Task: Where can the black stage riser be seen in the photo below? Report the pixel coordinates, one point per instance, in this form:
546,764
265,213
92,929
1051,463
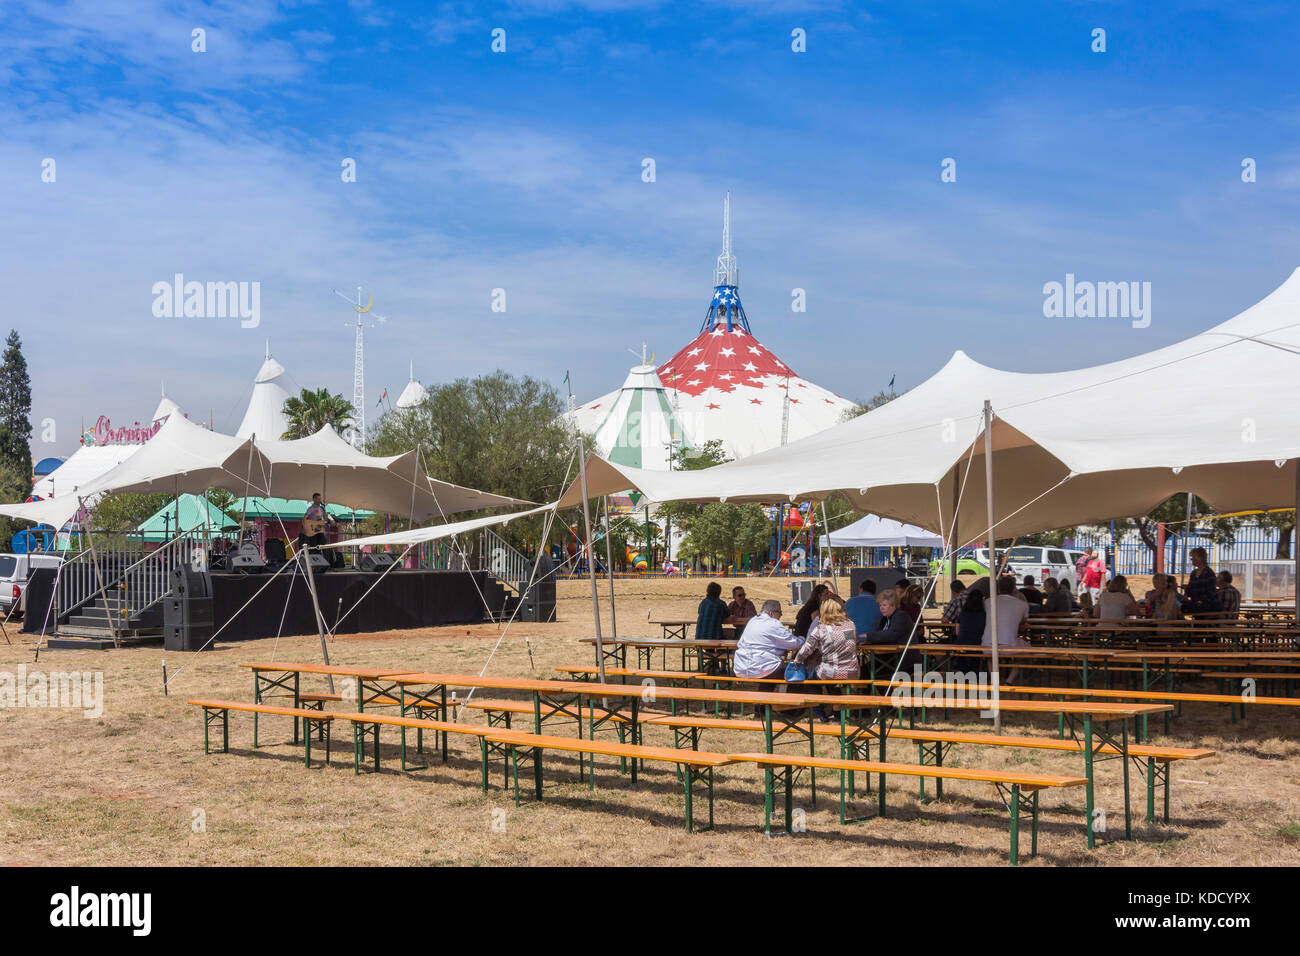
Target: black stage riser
402,599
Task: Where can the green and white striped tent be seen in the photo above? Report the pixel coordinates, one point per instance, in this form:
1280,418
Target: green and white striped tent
640,428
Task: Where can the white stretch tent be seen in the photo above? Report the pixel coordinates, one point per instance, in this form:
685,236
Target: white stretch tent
434,532
82,468
185,457
326,463
1214,414
876,532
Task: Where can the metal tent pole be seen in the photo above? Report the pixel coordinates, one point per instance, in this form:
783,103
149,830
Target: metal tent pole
993,557
591,564
609,568
304,553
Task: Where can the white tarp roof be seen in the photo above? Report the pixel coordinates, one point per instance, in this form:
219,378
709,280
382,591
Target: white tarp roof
413,394
82,467
874,531
433,533
326,463
1214,414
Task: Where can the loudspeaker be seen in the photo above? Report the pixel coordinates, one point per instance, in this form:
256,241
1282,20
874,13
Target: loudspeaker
800,592
377,561
538,603
318,561
187,637
180,612
884,577
246,559
188,583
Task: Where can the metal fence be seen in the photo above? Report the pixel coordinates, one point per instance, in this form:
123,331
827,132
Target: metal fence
1129,555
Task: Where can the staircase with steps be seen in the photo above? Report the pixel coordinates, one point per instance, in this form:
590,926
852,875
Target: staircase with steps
118,603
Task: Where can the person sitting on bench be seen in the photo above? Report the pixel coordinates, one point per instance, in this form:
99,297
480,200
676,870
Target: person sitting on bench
763,644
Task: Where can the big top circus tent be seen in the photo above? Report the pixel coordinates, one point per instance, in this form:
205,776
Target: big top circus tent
724,385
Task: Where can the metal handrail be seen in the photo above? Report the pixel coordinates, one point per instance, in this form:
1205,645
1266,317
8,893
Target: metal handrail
503,561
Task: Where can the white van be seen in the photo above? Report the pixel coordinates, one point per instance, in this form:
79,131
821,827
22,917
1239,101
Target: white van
15,569
1041,563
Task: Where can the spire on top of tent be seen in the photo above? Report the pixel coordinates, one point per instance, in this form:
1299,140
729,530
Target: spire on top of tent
165,407
726,306
413,394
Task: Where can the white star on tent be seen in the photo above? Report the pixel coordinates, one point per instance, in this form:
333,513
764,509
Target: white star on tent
694,352
694,381
719,331
737,331
754,350
702,367
727,352
751,367
726,377
758,381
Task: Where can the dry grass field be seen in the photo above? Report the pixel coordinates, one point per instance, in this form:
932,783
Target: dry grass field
123,788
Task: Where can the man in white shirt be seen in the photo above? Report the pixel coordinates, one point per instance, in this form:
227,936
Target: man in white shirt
1012,613
762,644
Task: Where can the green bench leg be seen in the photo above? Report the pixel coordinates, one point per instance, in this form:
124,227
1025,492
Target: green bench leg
483,753
1151,789
1015,824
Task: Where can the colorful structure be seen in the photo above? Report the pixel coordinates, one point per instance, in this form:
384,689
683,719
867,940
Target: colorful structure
725,385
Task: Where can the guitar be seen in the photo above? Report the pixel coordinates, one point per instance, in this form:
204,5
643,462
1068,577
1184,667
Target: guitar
313,526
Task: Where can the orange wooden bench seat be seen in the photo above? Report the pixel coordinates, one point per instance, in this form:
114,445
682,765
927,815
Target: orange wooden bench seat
1012,785
696,766
214,710
367,725
314,698
1158,758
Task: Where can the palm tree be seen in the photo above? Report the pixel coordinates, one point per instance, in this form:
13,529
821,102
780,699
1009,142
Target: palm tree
311,411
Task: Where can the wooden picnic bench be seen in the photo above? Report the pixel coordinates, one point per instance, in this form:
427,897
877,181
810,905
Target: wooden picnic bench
1018,789
696,766
219,710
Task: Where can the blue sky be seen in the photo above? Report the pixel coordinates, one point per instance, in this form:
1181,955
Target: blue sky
522,171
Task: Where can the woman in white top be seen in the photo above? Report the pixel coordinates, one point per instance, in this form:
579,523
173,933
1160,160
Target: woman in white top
1116,603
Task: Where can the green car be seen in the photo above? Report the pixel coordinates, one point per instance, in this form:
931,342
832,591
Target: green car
966,564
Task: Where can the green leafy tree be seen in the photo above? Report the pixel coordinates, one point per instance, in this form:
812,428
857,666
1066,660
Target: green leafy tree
1284,523
723,531
1173,512
499,433
861,408
122,512
310,411
15,432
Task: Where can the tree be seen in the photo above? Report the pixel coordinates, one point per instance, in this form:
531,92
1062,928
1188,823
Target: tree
1173,511
122,512
1284,523
861,408
498,433
724,530
15,432
311,411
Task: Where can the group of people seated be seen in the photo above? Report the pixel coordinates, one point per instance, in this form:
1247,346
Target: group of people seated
826,633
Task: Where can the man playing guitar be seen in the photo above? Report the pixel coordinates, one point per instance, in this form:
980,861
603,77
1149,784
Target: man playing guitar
311,532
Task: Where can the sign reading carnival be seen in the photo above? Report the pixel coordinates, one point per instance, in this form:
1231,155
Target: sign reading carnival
103,433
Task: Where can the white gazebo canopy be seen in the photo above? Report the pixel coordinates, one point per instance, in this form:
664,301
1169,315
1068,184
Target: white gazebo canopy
876,532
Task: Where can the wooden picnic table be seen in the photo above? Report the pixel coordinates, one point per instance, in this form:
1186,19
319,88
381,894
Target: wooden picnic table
286,676
709,655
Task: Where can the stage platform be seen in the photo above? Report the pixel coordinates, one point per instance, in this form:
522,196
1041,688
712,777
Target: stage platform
403,599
